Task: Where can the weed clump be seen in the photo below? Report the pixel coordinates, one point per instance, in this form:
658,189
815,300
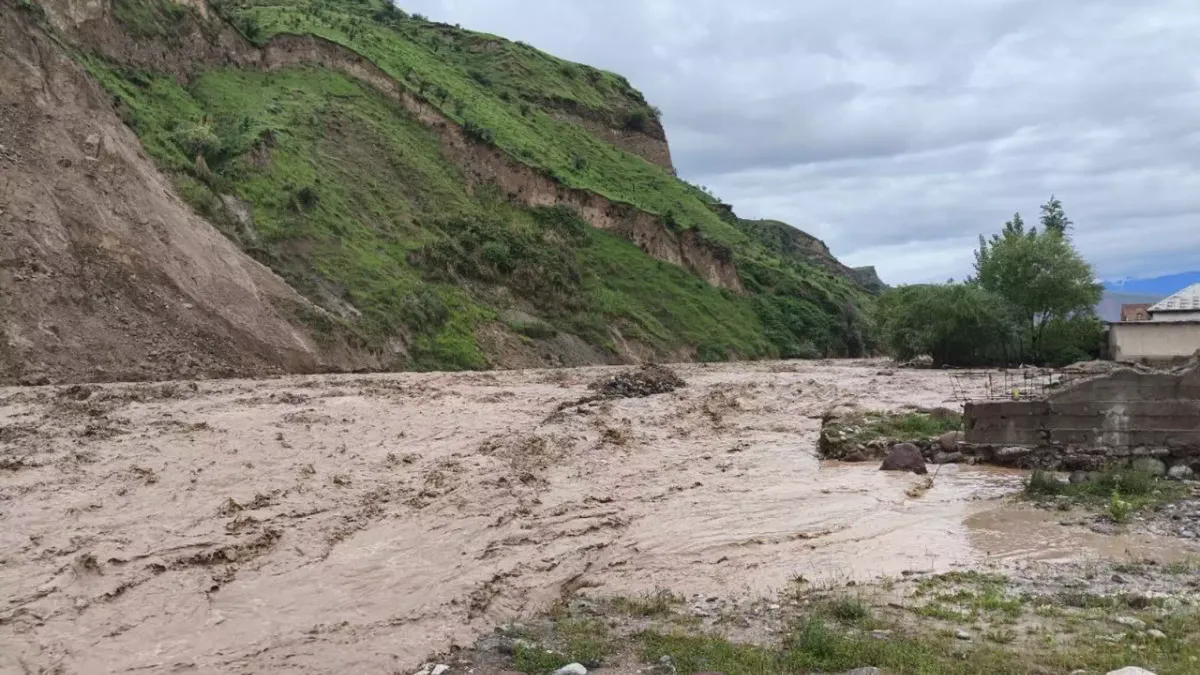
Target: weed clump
1117,490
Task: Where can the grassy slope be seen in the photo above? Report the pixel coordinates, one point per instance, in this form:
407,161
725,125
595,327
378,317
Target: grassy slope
356,200
497,85
358,193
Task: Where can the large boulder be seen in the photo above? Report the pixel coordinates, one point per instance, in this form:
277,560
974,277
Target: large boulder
1150,465
904,457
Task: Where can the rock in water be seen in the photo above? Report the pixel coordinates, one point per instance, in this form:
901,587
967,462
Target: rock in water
949,441
904,457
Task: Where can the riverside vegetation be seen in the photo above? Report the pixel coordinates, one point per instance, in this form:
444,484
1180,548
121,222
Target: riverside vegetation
1031,300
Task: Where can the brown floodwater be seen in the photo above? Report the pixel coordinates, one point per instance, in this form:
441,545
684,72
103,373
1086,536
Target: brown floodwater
359,524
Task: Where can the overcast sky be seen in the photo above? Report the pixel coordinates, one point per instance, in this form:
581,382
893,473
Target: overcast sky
899,130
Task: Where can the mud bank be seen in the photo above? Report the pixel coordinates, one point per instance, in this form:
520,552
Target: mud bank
358,524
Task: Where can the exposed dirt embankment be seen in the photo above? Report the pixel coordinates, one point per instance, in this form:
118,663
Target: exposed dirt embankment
104,273
218,44
651,144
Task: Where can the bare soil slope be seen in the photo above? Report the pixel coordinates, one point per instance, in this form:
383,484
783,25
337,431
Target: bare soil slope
104,273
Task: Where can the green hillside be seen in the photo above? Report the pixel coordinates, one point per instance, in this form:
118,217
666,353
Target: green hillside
356,204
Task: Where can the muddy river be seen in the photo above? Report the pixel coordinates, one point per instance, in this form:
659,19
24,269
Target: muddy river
360,523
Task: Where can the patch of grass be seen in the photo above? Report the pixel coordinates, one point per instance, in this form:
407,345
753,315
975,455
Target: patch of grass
1189,565
574,640
1119,490
658,604
815,645
154,18
848,610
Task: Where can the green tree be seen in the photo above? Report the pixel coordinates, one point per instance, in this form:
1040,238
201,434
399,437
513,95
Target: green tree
957,324
1039,274
1054,219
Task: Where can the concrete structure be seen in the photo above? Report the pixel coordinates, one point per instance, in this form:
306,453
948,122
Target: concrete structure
1138,311
1182,306
1089,423
1153,340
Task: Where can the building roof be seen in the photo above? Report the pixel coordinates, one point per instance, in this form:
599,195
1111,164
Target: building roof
1187,300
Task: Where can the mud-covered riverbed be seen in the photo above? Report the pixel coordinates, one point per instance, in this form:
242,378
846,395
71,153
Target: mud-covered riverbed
360,523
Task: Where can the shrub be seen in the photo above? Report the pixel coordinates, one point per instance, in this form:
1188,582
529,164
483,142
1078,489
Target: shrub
1119,509
424,310
249,27
1044,484
306,198
955,324
636,120
197,139
478,134
481,77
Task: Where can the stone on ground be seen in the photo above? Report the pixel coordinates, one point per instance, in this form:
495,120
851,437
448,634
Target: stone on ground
1181,472
949,441
571,669
904,457
1131,670
1150,465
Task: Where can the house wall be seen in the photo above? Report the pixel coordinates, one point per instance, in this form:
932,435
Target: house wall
1132,341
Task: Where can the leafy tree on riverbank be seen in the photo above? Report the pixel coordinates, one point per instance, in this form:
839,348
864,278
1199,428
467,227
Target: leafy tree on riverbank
1031,300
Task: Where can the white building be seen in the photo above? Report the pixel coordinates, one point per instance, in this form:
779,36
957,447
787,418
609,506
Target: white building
1182,306
1172,332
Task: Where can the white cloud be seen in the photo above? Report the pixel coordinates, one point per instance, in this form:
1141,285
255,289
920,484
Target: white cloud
898,131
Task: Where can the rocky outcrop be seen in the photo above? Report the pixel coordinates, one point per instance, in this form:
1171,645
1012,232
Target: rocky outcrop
650,144
104,273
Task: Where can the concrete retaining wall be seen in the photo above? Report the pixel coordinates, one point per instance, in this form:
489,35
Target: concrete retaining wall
1126,413
1153,340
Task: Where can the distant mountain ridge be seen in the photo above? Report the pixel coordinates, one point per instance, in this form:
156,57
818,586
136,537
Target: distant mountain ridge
1160,286
1133,291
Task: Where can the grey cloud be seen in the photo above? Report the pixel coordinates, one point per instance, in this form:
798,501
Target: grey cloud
898,131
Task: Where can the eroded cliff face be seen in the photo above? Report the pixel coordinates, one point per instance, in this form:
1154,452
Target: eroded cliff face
220,45
104,273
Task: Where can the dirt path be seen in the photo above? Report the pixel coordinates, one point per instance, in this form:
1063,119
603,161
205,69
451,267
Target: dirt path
357,524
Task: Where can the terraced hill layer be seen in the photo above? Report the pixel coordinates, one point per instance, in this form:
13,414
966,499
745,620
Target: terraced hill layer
442,198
